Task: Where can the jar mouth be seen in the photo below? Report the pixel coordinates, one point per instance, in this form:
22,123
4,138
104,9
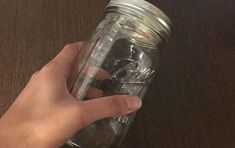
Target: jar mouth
153,16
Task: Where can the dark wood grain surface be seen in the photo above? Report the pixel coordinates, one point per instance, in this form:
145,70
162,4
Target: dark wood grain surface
191,103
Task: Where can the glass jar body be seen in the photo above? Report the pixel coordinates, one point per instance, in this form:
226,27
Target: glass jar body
121,58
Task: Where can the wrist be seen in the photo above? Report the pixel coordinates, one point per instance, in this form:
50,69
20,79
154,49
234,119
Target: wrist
17,135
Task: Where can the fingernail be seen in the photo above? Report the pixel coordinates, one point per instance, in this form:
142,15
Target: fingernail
134,103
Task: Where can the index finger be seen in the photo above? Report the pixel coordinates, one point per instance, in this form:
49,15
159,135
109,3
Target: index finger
65,60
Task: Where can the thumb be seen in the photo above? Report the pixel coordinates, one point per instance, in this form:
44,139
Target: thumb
97,109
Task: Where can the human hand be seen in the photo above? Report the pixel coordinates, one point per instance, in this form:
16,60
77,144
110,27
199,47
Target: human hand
46,115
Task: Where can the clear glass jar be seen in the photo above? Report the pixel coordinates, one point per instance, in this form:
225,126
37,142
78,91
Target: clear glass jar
122,57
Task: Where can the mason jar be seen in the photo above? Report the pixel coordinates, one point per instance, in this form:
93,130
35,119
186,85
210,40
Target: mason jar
121,57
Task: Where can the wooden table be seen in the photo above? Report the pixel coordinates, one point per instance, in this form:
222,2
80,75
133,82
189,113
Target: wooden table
191,103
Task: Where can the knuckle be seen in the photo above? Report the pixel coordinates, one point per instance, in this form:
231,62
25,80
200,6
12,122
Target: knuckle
34,75
117,105
68,46
81,117
78,112
50,66
82,123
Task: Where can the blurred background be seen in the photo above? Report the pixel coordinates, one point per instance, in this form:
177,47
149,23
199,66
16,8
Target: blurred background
191,103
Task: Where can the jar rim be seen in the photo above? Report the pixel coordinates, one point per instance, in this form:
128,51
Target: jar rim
154,14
